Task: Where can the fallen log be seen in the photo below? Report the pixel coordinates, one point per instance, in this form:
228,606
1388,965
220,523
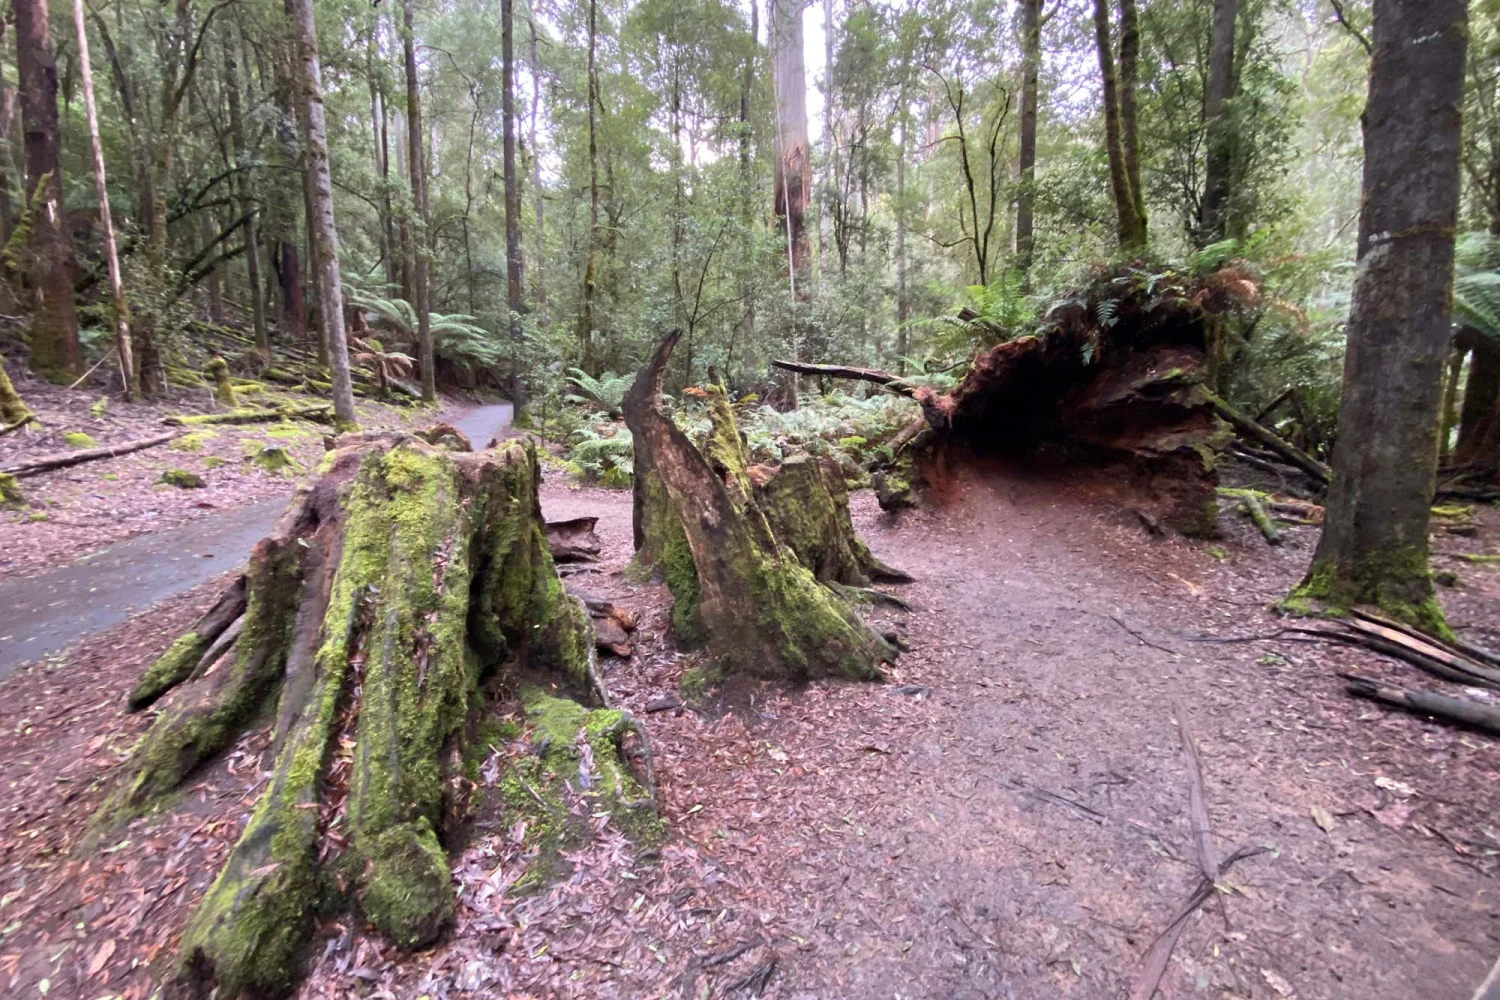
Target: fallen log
1476,653
397,583
762,611
574,540
321,411
886,379
1269,439
1440,706
50,462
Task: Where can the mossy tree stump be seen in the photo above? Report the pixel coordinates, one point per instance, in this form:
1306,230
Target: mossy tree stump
13,409
398,581
762,611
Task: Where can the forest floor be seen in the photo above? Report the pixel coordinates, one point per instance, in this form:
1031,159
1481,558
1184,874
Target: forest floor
1007,818
77,510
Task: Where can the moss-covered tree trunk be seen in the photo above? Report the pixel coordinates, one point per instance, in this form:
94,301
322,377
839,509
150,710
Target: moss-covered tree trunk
399,579
13,409
763,612
1374,546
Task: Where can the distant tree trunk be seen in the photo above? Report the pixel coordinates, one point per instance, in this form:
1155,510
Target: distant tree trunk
325,248
55,352
208,231
830,200
587,357
1374,545
903,301
7,167
106,221
1481,405
416,164
1031,56
515,284
1130,225
381,144
747,193
282,213
1130,139
1219,161
233,41
539,255
793,166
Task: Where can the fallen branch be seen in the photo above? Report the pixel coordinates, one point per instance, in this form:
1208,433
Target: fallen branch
891,382
1444,667
1256,511
1440,706
50,462
318,412
1269,439
1477,653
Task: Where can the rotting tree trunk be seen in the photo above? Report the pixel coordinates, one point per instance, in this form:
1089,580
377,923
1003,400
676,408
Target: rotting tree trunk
395,584
1374,545
763,612
325,236
119,309
417,167
55,351
1219,158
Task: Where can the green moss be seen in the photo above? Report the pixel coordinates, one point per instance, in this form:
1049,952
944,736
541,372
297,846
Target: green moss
109,477
697,681
274,460
1398,584
218,373
212,461
1217,552
407,889
1470,557
10,491
1453,512
289,432
682,581
1445,578
168,670
36,516
182,479
192,442
78,439
99,408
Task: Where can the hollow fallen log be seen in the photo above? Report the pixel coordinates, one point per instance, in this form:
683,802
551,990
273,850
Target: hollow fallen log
63,461
1269,439
396,583
321,412
764,613
574,540
1441,706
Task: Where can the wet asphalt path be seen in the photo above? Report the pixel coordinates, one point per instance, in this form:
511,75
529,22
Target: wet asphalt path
43,614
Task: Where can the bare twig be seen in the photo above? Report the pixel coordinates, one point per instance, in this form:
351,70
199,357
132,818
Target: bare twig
1359,36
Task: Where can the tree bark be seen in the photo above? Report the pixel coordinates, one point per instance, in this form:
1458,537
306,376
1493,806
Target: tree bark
55,351
1481,405
1374,545
515,283
1219,159
762,611
1130,224
233,40
417,165
393,588
1130,140
793,166
325,235
119,308
588,359
1031,56
539,255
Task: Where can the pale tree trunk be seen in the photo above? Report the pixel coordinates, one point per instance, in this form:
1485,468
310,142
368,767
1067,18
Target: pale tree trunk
208,230
233,41
55,351
416,165
1219,160
832,187
793,166
539,255
588,359
1031,56
106,221
747,194
7,166
1374,545
325,250
382,152
903,302
515,295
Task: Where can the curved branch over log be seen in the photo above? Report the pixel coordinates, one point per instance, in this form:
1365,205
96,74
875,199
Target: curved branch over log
763,612
396,583
886,379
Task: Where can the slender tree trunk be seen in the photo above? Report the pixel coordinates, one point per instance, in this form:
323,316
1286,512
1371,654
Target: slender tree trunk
793,166
282,224
1374,545
7,164
1119,177
515,284
539,253
417,167
106,221
1219,161
903,300
1031,56
55,351
588,359
1481,405
382,152
233,42
1130,141
747,194
325,248
208,229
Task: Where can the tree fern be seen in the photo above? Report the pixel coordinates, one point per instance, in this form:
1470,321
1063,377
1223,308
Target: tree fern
607,392
1476,284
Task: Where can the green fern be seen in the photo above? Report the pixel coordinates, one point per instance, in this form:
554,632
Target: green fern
1476,284
607,392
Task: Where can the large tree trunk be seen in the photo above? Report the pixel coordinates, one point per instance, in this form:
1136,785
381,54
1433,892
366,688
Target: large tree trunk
106,220
793,165
1130,138
1373,549
55,351
515,281
325,237
1219,160
1031,56
762,611
1130,223
395,586
417,166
